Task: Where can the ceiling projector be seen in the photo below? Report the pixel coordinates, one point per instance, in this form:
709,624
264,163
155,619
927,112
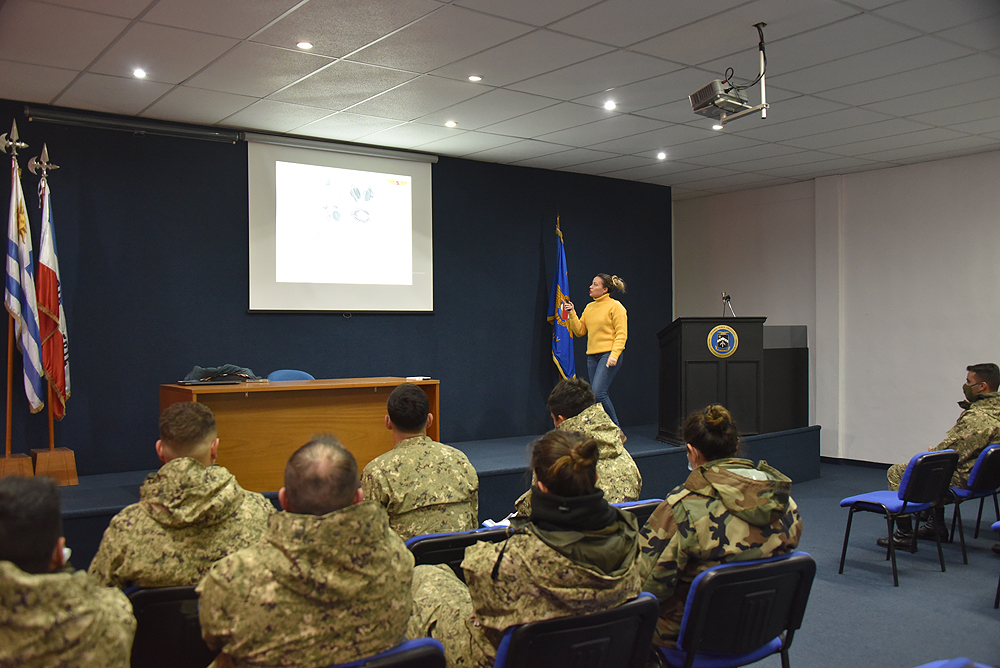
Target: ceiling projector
714,101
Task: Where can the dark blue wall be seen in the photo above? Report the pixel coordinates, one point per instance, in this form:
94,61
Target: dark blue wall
152,239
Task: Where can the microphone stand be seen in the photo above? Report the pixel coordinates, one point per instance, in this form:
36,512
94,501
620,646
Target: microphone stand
725,303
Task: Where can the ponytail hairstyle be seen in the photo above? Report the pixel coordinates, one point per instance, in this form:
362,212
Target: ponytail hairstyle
712,432
613,284
566,463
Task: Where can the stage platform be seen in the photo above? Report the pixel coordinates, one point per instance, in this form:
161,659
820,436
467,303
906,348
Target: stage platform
501,463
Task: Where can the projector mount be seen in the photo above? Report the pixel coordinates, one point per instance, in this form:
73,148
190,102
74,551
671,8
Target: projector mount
722,99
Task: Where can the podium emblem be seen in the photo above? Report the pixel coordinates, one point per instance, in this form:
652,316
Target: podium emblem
723,341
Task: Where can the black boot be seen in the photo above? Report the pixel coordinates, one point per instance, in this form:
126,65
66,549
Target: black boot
903,538
935,523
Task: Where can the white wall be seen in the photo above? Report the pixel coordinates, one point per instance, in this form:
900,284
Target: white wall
901,271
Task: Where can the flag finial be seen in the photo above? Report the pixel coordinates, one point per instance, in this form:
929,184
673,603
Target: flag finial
11,141
42,163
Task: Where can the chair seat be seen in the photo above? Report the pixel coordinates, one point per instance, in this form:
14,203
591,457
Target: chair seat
875,501
676,657
965,494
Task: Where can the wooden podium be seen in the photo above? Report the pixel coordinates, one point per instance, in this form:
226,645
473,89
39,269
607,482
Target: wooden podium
262,423
711,361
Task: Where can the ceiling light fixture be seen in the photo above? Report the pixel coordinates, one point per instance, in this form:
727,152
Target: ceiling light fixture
305,46
661,156
475,77
718,126
139,73
609,105
451,124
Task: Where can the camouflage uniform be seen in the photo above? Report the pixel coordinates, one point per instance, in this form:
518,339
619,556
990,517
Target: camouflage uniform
315,591
425,486
189,517
535,580
62,619
726,510
977,427
617,473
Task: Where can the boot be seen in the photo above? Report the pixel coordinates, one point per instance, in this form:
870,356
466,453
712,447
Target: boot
903,538
935,524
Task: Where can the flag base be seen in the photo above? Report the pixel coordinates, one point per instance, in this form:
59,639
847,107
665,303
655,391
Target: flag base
16,464
58,463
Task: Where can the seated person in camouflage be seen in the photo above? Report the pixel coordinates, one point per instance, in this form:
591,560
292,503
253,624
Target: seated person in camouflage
191,512
49,614
425,486
328,583
574,408
727,510
574,555
977,427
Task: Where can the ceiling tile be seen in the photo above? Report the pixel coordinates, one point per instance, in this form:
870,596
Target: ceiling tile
33,83
125,8
547,120
804,127
941,98
80,36
837,141
827,166
528,11
491,107
408,135
465,143
519,150
116,95
230,18
338,27
759,155
880,144
933,15
654,141
611,70
527,56
274,116
656,168
576,156
985,125
194,105
982,35
614,127
341,85
936,150
625,22
445,35
417,98
965,113
346,126
257,70
154,49
611,165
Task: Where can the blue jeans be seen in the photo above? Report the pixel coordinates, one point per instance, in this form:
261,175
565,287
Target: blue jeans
601,376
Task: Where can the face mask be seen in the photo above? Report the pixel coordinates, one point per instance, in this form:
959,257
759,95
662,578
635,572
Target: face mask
967,389
690,468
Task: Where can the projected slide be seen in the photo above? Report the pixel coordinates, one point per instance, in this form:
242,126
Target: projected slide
342,226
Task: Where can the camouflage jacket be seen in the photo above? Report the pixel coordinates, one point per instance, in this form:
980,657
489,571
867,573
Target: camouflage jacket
977,427
62,619
314,591
617,473
726,510
425,486
189,517
536,580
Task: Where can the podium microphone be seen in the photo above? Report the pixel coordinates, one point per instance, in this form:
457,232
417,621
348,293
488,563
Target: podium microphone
727,302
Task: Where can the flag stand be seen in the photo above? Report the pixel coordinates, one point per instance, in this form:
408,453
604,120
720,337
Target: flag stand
58,463
13,464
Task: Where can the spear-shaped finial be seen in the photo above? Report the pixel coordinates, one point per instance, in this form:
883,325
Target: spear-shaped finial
11,141
42,163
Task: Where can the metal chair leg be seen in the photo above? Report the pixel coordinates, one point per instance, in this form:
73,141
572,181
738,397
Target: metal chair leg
847,533
892,549
961,533
979,517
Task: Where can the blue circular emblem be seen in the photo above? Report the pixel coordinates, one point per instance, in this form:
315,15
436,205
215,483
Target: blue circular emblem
723,341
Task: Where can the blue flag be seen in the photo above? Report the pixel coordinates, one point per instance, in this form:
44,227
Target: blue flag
562,338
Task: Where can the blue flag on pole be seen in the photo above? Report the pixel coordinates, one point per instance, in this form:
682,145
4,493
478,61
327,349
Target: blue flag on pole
562,338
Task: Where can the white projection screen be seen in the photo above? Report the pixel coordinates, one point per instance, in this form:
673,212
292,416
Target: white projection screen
338,231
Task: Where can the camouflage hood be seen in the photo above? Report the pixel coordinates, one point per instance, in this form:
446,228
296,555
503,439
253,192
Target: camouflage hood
321,549
184,493
597,424
757,495
610,551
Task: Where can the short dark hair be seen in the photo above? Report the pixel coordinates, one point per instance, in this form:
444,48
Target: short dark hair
566,462
570,397
30,522
408,407
320,477
186,425
712,432
988,373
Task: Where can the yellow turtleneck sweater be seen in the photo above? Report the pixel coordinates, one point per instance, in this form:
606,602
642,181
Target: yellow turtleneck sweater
605,322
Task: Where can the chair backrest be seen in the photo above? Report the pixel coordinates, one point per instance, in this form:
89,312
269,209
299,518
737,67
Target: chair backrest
927,477
740,606
642,509
617,638
985,473
449,548
290,374
168,632
416,653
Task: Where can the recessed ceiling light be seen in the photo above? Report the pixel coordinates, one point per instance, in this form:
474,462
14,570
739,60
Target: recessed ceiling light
451,124
305,46
609,105
475,77
717,126
139,73
661,155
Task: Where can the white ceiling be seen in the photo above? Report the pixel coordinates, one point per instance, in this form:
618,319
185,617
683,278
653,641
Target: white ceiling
853,86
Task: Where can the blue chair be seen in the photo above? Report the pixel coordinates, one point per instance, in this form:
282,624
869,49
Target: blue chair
961,662
925,484
984,481
996,601
449,548
642,508
617,638
416,653
742,611
289,374
168,632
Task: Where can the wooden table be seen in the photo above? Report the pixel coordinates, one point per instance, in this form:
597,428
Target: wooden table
262,423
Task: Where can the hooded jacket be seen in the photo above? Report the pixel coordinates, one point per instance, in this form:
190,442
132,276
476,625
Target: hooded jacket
726,510
189,516
977,427
315,591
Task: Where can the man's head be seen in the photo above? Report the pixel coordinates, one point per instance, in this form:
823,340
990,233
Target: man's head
982,378
408,409
187,429
569,398
31,524
320,477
